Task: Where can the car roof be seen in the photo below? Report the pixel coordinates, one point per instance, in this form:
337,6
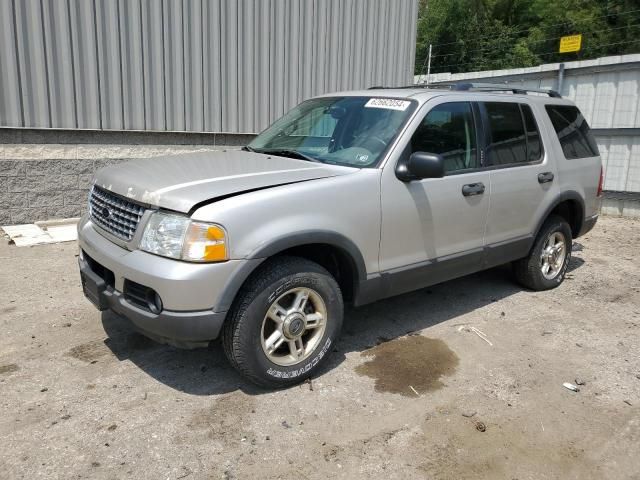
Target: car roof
424,93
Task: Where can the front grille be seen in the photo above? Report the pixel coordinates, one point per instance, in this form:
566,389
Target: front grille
115,214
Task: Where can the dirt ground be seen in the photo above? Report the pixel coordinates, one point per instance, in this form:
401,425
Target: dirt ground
413,390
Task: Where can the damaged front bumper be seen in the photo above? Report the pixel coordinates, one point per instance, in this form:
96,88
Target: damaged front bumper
175,302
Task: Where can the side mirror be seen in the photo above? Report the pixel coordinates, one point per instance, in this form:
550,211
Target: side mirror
421,165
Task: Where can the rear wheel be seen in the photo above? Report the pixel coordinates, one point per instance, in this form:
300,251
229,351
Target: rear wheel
284,322
546,265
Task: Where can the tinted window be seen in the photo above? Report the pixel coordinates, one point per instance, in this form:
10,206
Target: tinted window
573,131
507,140
448,130
534,143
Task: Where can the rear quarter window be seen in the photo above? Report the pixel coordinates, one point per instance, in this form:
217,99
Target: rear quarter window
573,132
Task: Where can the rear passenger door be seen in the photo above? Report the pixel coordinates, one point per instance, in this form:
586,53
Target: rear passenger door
523,177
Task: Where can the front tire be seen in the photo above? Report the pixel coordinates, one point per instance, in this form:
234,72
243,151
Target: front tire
284,322
546,265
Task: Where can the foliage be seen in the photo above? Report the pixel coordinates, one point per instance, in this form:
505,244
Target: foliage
472,35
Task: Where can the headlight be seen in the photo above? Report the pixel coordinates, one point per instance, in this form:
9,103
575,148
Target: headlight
176,236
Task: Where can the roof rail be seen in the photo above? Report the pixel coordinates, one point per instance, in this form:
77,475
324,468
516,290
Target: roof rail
497,87
486,87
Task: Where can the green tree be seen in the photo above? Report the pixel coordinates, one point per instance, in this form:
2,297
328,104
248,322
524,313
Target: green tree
472,35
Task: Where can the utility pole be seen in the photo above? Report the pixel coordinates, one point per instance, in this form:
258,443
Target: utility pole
560,78
429,65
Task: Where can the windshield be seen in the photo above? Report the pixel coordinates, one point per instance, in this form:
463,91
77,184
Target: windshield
352,131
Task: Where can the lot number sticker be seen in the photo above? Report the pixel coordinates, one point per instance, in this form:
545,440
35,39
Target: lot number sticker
388,103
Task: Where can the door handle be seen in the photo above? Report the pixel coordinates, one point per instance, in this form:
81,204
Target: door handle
545,177
472,189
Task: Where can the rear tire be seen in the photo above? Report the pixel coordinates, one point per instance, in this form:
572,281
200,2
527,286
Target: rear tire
284,322
546,265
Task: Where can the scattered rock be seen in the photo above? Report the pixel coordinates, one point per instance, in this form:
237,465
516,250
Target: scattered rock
44,389
579,345
285,424
481,427
469,413
111,428
546,332
502,314
203,368
580,381
66,417
627,402
95,464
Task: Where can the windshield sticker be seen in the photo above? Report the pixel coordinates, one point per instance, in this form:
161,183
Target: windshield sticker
388,103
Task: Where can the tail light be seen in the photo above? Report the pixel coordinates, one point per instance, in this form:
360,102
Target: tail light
600,182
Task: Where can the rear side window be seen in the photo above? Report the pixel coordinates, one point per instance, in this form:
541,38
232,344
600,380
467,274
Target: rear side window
534,142
507,138
573,132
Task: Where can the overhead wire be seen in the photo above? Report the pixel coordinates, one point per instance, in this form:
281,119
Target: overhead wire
439,67
531,28
542,40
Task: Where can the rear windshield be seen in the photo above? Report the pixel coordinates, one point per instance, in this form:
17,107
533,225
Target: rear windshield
573,132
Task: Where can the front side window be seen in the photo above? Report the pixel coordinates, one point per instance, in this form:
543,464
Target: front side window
351,131
573,132
448,130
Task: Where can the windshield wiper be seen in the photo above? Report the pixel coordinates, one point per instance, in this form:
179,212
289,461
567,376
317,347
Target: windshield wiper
247,148
286,153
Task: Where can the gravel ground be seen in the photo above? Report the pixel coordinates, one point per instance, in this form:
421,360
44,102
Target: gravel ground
461,380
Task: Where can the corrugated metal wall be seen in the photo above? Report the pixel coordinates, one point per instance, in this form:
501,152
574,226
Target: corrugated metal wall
607,91
192,65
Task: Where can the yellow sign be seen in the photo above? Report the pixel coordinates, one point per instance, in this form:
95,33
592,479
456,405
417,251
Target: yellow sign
572,43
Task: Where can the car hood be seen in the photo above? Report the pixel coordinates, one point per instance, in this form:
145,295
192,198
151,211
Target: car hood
181,182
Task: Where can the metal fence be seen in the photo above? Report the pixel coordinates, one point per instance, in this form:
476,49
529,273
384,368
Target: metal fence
607,91
192,65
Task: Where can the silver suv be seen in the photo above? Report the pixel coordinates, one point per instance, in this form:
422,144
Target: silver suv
350,197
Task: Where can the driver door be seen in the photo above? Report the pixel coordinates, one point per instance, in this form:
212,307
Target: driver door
433,229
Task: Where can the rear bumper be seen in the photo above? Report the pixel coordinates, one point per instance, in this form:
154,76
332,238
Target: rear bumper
182,329
588,225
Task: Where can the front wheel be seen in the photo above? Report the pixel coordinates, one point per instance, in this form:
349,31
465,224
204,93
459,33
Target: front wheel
546,265
284,322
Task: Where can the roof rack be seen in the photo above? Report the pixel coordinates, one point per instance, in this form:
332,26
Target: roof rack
483,87
496,87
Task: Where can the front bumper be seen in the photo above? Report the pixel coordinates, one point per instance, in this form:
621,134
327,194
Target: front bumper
194,297
182,329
